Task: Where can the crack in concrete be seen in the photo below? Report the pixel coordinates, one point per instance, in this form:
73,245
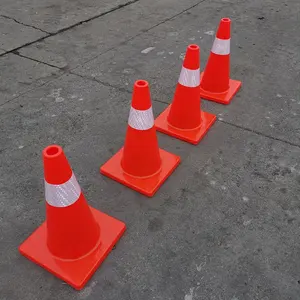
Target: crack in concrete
107,84
96,17
66,28
26,25
167,103
139,34
15,51
121,89
259,133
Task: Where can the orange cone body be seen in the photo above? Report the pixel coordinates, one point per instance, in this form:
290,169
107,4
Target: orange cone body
185,112
216,84
184,119
68,240
75,238
141,140
140,164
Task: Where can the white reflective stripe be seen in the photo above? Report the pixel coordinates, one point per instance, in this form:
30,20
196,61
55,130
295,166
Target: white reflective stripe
141,119
62,195
189,78
221,47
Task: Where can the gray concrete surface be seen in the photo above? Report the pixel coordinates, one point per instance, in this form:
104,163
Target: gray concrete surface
54,15
14,34
91,39
225,225
275,63
20,75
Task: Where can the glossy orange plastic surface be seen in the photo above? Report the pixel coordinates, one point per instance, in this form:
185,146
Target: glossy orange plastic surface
75,238
216,84
192,136
141,164
222,98
145,185
183,119
75,272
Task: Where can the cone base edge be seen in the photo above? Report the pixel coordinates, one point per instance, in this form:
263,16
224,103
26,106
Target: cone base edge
193,136
222,98
146,186
74,272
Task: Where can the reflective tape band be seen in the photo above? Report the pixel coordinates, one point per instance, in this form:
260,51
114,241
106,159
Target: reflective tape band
62,195
141,119
221,47
189,78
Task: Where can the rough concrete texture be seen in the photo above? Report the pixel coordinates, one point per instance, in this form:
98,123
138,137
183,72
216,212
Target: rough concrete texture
89,40
55,15
20,75
225,225
14,34
275,64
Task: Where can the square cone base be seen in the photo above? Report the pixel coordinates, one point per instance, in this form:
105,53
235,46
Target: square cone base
147,186
191,136
223,98
75,272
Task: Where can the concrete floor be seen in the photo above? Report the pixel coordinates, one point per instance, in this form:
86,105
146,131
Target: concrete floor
225,225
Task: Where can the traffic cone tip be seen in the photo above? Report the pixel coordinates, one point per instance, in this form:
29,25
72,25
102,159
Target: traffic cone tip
141,83
192,57
57,169
141,99
224,29
190,70
52,151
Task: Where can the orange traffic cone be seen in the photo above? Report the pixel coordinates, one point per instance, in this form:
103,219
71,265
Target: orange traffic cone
140,164
75,238
216,84
184,119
